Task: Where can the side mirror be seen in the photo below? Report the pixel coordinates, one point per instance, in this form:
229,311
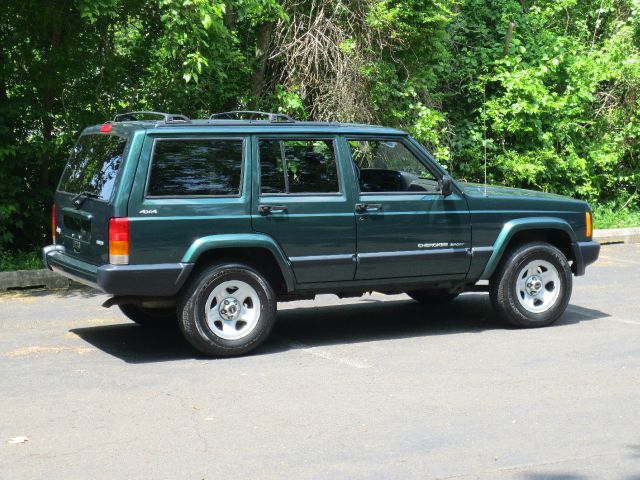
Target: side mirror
446,185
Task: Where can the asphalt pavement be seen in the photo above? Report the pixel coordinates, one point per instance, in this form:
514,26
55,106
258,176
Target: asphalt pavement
377,387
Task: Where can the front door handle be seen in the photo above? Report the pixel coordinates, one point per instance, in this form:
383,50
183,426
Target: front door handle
368,207
269,209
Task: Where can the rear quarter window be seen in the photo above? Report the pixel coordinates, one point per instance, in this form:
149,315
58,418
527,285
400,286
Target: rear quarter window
196,167
93,165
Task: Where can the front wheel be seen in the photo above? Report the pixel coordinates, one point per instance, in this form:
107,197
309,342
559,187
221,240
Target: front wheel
533,286
227,310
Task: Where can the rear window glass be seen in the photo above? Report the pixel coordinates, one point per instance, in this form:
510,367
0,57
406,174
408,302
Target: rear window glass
93,165
196,168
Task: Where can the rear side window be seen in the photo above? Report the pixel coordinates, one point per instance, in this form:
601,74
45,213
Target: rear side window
93,165
298,166
199,167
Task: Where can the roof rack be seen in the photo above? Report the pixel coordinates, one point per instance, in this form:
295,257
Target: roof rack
167,117
238,114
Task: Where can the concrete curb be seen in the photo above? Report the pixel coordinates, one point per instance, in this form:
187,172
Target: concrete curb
617,235
20,279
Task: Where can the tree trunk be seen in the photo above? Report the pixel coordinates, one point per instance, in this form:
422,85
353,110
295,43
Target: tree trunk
265,33
47,103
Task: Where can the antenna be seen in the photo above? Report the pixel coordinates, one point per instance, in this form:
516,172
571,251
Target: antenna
484,131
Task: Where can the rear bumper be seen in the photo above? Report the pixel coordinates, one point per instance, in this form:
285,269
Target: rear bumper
585,254
154,280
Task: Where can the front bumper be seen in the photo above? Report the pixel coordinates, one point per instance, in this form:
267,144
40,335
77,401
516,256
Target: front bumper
585,253
161,279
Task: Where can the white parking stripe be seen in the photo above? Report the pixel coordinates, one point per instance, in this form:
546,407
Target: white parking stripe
322,353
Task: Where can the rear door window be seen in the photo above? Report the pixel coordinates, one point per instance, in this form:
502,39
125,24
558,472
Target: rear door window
196,167
93,166
298,166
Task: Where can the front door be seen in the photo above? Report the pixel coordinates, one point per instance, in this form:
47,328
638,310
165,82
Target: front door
302,202
405,226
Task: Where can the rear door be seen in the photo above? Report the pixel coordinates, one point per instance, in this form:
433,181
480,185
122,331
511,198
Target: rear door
84,195
301,200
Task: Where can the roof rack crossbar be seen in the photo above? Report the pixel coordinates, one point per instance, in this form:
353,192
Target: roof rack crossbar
236,114
167,117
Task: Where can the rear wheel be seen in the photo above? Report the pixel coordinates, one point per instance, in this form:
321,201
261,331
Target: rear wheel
227,310
533,286
149,317
434,295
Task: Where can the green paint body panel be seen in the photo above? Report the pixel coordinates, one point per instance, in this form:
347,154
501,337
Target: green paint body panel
321,242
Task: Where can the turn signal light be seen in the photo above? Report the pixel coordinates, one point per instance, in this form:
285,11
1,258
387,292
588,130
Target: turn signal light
587,218
119,241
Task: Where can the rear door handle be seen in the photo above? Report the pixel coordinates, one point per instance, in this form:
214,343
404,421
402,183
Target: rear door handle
269,209
368,207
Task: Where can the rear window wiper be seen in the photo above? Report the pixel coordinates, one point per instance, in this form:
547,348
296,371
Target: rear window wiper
79,198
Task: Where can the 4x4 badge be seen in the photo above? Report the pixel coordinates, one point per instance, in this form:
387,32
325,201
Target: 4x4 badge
148,212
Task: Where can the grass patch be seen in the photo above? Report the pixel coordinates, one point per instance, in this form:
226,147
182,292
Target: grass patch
610,216
29,260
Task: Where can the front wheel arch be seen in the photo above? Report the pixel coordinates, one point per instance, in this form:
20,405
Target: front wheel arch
512,237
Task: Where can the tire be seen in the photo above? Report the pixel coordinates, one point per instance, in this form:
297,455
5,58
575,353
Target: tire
227,310
532,286
432,296
149,317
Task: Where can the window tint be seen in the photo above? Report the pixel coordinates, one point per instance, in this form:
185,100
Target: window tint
310,166
196,167
388,166
93,165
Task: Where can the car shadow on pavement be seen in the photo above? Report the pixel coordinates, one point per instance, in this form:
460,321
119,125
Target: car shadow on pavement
369,319
392,319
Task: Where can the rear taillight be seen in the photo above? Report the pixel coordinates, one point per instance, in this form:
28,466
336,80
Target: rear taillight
119,241
53,223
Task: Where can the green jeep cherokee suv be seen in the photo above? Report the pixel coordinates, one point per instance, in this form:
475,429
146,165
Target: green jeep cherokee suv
212,222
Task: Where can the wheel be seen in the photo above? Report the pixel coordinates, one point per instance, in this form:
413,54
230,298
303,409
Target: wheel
227,310
532,286
149,317
434,295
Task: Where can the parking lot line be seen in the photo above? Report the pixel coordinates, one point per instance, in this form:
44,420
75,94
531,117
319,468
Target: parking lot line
322,353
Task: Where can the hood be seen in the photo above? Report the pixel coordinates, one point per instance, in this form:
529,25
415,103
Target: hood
477,190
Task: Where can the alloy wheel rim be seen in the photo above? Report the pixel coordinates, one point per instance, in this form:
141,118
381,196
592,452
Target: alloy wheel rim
538,286
232,309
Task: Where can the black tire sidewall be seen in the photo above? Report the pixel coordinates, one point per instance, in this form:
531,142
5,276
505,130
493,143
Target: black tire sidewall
505,296
193,320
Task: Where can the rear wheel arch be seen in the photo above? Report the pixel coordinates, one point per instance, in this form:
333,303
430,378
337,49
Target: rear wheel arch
259,258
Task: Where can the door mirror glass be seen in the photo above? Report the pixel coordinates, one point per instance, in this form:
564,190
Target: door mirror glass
446,185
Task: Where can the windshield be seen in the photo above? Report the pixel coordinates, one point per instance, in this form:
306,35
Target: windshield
93,166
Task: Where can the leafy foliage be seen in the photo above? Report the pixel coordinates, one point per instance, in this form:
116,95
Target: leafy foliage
554,99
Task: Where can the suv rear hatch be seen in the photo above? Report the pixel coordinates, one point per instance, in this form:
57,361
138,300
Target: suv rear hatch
83,199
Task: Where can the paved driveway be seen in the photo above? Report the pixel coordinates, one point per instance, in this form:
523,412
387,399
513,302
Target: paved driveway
373,388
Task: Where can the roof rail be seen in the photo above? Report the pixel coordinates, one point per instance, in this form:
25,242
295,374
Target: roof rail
167,117
237,114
